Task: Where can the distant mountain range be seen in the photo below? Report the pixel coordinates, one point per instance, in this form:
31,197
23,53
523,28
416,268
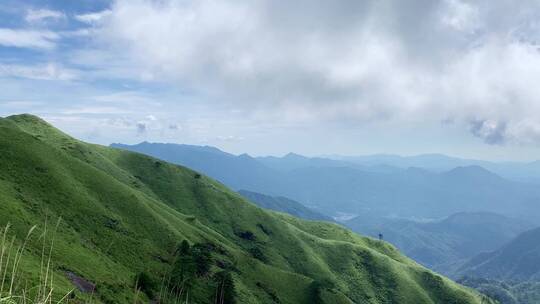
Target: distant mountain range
237,172
294,161
360,187
518,171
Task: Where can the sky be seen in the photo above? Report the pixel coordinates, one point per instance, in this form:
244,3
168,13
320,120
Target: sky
268,77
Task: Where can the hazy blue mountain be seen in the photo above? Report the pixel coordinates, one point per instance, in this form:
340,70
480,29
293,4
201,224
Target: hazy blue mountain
510,274
518,171
440,244
283,204
436,162
294,161
517,260
339,186
237,172
411,193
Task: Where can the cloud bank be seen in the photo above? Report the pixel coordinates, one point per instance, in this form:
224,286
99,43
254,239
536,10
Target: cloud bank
464,62
227,70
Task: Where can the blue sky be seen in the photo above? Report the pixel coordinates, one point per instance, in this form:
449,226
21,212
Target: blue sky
268,77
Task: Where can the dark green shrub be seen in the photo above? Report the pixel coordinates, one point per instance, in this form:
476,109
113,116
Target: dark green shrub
202,258
145,283
246,235
182,249
264,229
257,253
226,291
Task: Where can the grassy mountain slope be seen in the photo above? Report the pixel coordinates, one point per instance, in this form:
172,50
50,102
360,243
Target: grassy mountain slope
123,213
283,204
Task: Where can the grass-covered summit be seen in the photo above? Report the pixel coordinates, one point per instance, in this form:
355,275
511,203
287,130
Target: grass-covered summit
124,214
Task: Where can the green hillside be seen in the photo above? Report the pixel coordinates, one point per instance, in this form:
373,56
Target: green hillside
125,214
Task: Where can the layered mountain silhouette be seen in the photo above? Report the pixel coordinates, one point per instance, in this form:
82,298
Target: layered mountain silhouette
331,186
518,171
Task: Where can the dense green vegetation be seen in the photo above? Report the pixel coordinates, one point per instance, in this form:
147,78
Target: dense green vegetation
129,222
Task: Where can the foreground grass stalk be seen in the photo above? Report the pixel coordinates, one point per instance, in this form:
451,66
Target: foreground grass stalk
11,258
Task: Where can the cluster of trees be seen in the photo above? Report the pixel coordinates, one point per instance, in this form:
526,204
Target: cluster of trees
191,271
193,264
190,262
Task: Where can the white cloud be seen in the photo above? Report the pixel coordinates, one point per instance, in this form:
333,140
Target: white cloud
20,104
82,32
91,109
312,62
127,98
28,38
93,18
229,138
472,63
40,15
50,71
461,16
